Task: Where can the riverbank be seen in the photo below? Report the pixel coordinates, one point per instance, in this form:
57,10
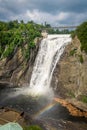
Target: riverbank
73,109
13,115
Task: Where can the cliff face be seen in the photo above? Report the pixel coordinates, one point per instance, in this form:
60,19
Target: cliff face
16,71
70,75
69,79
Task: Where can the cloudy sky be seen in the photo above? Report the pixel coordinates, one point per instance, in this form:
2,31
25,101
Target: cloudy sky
54,12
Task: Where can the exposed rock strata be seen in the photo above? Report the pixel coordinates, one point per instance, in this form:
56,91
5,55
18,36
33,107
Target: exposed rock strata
16,71
70,75
72,109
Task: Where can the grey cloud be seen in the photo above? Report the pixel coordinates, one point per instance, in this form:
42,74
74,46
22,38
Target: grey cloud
45,5
16,9
60,5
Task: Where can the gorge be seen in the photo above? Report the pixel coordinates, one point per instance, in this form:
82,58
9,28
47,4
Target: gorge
45,83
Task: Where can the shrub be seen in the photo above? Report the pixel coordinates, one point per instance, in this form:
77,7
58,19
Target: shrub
32,128
81,59
82,35
72,52
84,99
73,34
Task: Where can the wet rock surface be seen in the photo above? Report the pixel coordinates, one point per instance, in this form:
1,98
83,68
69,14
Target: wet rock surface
64,125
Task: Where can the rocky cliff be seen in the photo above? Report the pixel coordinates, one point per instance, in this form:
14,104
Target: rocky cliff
69,78
16,71
70,75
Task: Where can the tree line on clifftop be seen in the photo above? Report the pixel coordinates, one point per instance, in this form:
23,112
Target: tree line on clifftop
81,33
14,34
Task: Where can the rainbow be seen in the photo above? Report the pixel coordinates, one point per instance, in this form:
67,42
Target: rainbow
43,110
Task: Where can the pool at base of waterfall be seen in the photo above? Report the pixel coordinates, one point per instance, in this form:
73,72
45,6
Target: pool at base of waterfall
50,115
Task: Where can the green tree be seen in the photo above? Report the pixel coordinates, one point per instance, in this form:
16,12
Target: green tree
14,34
81,32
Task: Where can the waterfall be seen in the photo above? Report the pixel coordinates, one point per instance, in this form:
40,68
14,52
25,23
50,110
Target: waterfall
49,54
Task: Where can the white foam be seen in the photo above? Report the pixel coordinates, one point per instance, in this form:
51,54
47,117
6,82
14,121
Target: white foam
51,48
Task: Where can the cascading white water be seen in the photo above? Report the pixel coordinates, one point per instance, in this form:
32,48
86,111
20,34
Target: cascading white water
49,54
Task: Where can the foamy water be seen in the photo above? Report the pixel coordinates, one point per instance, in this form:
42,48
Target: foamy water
51,49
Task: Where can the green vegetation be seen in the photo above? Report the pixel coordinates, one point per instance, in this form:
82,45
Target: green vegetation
81,32
73,51
14,34
84,99
57,31
71,94
51,30
81,58
32,128
73,34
